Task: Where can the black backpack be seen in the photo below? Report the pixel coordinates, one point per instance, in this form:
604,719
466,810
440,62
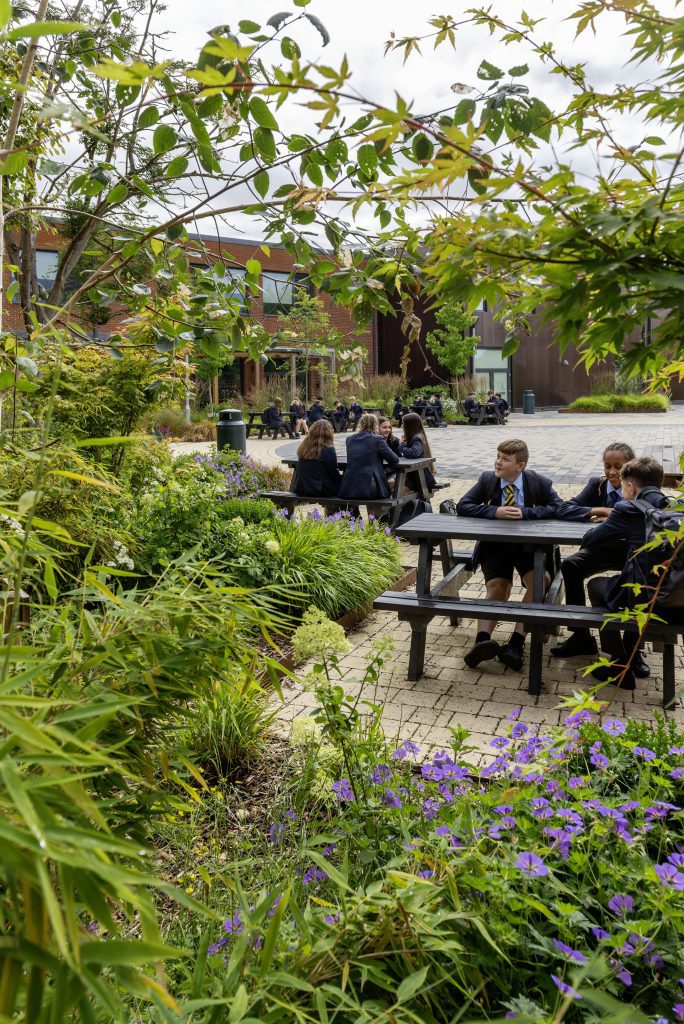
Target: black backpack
661,555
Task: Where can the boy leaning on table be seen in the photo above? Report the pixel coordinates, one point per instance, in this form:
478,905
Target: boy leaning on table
510,491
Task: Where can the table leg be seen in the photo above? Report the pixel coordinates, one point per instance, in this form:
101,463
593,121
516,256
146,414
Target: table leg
424,490
538,575
424,571
399,482
668,676
445,552
417,651
534,682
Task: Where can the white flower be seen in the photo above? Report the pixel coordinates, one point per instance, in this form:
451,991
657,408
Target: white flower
12,524
272,546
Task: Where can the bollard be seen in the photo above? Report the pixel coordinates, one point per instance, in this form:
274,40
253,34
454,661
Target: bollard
528,403
230,431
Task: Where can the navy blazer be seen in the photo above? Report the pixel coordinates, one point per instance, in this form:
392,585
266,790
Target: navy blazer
365,475
299,409
318,477
625,525
594,494
273,417
416,450
482,500
316,412
341,412
471,406
398,410
356,411
437,406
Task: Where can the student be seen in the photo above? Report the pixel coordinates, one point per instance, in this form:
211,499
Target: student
415,446
642,479
317,411
385,429
355,412
436,405
502,404
299,409
317,473
510,492
420,403
341,415
595,501
472,406
274,415
367,453
399,409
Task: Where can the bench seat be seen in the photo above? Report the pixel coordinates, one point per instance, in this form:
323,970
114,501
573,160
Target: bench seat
419,610
289,498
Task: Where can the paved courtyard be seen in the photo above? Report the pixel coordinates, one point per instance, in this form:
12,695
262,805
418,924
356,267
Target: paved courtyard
567,448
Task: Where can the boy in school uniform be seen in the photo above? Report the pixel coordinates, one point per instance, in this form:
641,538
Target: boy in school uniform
626,523
511,491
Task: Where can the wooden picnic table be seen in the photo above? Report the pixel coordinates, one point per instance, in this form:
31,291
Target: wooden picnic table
543,535
489,411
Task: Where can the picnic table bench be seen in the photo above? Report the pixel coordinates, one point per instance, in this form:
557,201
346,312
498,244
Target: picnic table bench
257,421
543,615
392,505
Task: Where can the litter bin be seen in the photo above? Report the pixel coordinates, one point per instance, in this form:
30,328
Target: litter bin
528,402
230,430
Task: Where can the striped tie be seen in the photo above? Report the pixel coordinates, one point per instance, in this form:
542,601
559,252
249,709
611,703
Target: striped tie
509,494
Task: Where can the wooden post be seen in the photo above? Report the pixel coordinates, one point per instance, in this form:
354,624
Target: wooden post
214,390
293,376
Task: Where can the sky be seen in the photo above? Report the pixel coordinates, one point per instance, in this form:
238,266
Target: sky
360,28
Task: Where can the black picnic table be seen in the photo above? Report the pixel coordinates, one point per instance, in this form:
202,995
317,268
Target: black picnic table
432,530
489,413
257,422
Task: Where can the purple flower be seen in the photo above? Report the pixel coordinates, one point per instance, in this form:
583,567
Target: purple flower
648,755
575,782
499,742
676,751
442,830
568,951
390,799
677,774
538,801
599,760
600,933
342,789
380,774
314,875
614,726
430,809
331,918
677,859
514,715
624,975
276,832
621,904
518,730
408,747
578,718
678,1010
427,873
532,865
670,877
569,815
566,990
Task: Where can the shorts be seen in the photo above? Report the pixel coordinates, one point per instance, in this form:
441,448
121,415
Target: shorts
500,561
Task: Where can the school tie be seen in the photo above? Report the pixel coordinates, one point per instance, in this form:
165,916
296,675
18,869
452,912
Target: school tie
509,494
613,499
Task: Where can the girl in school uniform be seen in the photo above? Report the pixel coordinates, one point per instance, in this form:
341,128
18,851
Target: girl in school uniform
317,473
367,453
600,493
299,409
415,446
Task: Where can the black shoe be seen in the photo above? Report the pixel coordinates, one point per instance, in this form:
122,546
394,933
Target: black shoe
512,656
609,673
485,650
576,644
640,667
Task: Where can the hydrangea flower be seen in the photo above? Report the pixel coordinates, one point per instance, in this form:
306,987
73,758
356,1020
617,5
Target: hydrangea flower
532,865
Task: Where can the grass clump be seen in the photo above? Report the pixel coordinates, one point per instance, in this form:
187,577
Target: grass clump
620,403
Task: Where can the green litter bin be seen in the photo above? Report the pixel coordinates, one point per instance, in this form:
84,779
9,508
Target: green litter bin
528,403
230,431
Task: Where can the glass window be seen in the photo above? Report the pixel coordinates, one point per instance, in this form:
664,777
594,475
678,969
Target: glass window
47,263
489,359
279,291
482,306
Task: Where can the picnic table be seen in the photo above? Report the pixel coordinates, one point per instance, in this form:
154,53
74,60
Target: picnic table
394,504
257,421
489,413
428,415
543,615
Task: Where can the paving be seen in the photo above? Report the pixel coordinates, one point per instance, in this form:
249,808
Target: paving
568,449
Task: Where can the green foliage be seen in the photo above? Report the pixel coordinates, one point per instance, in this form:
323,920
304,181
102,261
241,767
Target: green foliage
144,460
169,421
449,342
382,389
621,403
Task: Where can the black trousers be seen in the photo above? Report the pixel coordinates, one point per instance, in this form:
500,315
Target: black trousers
616,643
588,562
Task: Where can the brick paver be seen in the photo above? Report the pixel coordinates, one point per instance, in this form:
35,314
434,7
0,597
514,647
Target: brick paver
567,448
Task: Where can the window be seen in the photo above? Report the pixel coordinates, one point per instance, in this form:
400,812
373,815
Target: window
280,290
47,263
482,306
489,359
491,371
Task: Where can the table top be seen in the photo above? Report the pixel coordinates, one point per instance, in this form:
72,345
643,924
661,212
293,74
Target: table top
434,526
411,464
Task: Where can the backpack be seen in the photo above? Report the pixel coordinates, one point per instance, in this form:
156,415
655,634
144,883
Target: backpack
412,508
647,565
448,507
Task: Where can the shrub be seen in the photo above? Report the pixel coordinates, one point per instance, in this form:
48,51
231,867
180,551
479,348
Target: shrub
621,403
145,462
170,422
240,474
381,390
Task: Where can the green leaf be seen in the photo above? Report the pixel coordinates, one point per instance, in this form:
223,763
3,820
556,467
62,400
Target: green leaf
411,985
464,111
489,72
367,158
261,183
14,163
276,20
5,12
27,366
265,143
262,114
253,267
143,186
45,28
325,36
249,27
654,140
422,147
118,194
542,117
518,70
164,139
297,142
238,1006
110,952
148,117
116,19
510,347
176,167
49,578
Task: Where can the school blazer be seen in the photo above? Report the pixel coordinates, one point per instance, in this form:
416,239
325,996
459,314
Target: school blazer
365,475
594,494
416,450
273,417
625,525
318,477
316,412
482,500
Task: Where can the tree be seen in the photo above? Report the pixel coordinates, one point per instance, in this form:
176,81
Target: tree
449,342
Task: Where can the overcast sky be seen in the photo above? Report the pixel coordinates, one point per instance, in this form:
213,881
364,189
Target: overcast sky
360,28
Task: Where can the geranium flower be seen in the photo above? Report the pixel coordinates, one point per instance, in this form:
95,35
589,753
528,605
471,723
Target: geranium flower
648,755
342,789
568,951
532,865
621,904
566,990
669,876
614,726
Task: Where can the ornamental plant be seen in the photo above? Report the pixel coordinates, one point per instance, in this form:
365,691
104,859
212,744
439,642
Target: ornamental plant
546,884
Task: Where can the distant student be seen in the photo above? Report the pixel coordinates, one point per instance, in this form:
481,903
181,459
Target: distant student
317,473
642,479
341,415
317,411
472,406
594,502
355,412
511,491
399,409
501,403
367,453
299,409
415,446
436,405
274,415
